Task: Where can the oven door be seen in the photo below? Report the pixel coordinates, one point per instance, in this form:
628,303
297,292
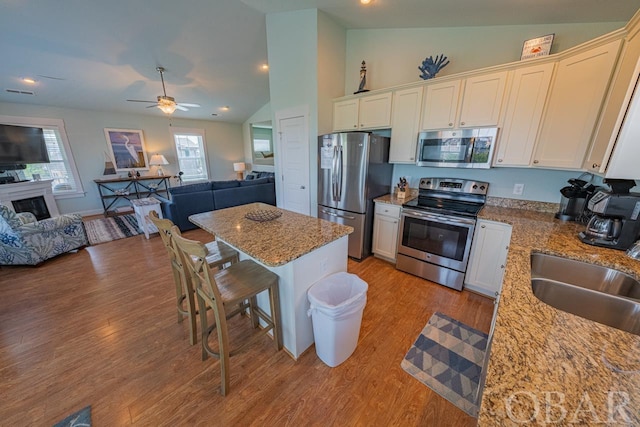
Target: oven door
438,239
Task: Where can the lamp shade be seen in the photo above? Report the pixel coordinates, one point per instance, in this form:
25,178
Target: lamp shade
239,167
158,160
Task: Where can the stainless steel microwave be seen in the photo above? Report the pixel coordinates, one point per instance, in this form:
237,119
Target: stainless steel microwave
457,148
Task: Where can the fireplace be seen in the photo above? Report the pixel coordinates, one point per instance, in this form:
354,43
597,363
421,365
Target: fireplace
32,196
35,205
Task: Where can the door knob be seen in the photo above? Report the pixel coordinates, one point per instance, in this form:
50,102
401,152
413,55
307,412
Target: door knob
595,166
302,187
499,160
536,161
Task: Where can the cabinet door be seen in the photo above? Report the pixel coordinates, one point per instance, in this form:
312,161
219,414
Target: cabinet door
576,97
405,124
482,100
385,236
524,108
488,257
345,115
375,111
440,105
624,159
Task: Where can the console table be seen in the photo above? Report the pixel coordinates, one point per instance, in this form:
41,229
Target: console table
118,189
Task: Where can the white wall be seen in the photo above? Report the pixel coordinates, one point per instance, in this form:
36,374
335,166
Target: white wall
85,130
393,55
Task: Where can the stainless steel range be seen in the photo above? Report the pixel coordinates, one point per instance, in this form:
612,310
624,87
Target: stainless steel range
436,229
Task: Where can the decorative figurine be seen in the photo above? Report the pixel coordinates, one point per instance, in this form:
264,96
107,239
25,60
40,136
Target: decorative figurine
430,67
363,79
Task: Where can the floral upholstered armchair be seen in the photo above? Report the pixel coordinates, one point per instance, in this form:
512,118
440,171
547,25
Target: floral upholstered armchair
25,241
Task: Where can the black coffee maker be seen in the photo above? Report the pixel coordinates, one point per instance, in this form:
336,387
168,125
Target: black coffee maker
615,222
574,200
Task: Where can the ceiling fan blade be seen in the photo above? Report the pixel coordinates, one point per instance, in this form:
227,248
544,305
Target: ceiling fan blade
139,100
181,107
152,106
185,104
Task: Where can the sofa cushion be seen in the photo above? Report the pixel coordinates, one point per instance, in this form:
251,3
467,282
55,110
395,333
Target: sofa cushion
219,185
254,182
191,188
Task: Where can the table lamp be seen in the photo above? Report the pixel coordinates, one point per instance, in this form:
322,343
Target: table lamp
239,168
158,160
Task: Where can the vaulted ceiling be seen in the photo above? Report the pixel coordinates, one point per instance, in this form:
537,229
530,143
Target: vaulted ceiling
97,54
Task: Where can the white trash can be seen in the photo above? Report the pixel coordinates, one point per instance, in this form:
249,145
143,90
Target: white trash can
337,303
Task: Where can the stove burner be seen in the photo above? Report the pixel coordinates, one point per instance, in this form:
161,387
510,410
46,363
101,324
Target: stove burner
445,206
450,196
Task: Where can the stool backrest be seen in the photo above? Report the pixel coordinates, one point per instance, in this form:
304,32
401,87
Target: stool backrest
193,255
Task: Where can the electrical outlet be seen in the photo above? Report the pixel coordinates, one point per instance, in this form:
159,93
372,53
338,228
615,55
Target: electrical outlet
518,189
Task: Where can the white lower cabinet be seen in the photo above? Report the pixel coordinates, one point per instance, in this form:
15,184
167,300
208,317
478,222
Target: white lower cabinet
488,257
385,230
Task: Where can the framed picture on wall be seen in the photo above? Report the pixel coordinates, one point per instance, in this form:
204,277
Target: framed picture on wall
540,46
127,149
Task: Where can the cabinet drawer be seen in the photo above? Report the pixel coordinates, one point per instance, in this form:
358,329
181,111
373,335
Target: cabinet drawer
387,209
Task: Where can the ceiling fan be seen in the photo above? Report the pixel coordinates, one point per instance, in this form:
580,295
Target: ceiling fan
166,103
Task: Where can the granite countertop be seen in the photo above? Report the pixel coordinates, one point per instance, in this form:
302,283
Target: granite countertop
273,243
393,199
540,354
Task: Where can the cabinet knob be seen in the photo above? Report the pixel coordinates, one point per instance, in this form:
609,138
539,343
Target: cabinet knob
502,266
595,165
499,160
461,123
395,222
450,124
411,158
497,293
483,226
302,187
536,162
355,126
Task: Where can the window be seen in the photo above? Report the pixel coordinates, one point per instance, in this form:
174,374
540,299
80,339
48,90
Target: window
190,146
62,168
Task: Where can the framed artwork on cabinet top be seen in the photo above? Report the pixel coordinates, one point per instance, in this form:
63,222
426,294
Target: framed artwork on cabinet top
127,149
534,48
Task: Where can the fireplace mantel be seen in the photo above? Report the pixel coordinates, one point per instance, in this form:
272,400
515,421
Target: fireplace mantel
25,190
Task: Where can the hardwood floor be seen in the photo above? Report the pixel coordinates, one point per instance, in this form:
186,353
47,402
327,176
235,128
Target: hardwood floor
99,328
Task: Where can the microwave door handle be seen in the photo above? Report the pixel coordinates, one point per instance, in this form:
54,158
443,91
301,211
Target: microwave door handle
469,154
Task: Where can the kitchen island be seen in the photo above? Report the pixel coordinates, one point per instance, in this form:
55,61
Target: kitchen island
547,366
300,249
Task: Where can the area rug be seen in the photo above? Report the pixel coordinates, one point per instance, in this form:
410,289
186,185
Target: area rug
82,418
113,228
448,357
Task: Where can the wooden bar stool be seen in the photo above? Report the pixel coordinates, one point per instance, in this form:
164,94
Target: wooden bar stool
218,256
226,292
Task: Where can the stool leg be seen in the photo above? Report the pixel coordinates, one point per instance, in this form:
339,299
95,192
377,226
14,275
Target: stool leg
274,300
223,342
179,294
253,303
204,326
191,309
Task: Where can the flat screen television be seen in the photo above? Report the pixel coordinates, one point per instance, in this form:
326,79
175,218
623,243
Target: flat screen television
22,145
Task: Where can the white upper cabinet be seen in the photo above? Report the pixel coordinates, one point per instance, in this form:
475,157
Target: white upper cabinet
345,114
405,124
367,112
482,100
576,98
625,159
523,113
474,102
441,105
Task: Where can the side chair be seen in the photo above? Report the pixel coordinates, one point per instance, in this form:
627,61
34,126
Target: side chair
218,255
226,292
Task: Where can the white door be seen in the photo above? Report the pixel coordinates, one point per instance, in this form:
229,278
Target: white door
293,138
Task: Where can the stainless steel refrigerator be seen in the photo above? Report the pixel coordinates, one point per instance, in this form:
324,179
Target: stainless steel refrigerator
353,169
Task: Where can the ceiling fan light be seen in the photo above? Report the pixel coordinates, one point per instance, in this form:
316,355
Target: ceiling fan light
167,108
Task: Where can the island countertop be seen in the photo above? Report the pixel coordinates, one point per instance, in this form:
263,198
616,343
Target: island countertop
541,355
273,243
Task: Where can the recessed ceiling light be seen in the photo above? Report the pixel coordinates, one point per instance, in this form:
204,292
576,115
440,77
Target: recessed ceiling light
29,80
365,1
225,108
264,67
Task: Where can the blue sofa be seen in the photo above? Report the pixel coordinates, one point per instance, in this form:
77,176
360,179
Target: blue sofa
209,196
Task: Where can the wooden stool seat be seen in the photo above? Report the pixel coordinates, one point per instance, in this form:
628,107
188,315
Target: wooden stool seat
219,255
228,292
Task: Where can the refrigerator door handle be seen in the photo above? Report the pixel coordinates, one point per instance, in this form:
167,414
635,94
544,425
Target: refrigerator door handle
341,173
334,174
324,211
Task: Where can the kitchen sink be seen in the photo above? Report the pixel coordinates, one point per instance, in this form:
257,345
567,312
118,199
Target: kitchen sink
593,292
